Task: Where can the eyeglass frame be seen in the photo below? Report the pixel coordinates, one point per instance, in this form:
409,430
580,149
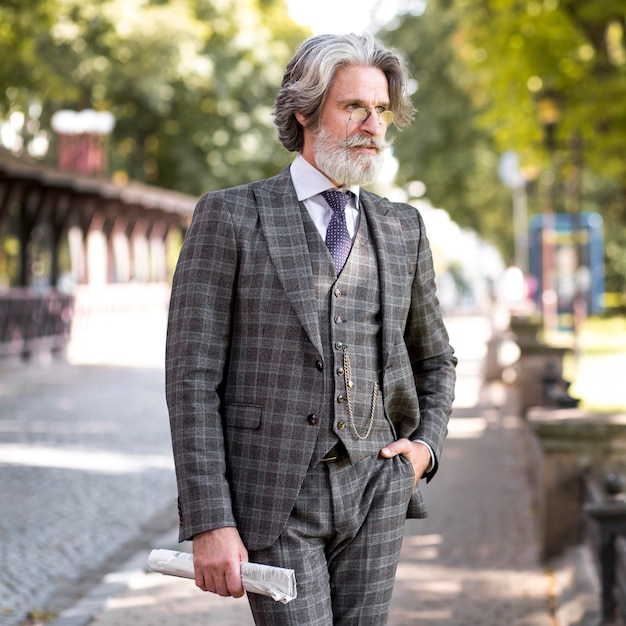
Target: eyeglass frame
385,113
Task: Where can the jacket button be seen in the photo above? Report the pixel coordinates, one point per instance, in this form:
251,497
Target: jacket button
338,319
319,364
312,419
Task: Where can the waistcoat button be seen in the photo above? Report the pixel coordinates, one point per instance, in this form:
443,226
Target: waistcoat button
338,319
340,399
341,425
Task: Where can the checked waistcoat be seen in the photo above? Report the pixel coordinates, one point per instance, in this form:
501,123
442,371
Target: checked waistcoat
350,325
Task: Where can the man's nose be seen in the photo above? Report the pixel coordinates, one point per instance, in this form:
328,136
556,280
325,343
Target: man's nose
372,124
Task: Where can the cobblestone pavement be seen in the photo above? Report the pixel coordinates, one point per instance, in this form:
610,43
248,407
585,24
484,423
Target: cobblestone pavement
85,473
80,479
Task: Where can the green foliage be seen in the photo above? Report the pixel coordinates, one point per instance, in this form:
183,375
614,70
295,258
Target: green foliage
19,19
445,147
191,83
482,68
573,48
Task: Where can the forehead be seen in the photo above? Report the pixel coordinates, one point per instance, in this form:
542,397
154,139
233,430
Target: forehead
360,84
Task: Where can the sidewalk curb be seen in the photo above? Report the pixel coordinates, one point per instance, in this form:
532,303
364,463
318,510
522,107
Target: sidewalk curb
113,584
577,588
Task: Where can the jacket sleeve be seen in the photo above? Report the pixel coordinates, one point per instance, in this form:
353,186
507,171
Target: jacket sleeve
431,355
197,345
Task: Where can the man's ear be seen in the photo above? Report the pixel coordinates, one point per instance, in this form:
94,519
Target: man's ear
301,119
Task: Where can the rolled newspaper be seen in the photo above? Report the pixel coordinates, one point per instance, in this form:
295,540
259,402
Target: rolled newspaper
276,582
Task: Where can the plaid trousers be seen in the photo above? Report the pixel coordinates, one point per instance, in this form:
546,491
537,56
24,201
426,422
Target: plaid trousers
343,540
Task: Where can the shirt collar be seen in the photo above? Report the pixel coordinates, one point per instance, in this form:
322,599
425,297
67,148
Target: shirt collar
309,181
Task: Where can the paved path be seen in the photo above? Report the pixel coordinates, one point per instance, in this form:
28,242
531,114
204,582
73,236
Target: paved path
85,466
475,559
85,463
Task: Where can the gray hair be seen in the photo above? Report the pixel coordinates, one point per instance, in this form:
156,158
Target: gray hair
311,71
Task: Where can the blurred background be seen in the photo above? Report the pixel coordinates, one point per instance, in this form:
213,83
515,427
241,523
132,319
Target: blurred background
116,115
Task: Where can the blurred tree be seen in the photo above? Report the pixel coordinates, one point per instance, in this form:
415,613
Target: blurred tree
483,68
18,48
445,148
550,79
191,83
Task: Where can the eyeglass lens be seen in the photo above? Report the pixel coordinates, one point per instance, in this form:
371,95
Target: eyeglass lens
360,115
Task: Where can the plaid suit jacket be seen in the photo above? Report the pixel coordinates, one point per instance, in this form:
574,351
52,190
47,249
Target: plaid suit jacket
244,351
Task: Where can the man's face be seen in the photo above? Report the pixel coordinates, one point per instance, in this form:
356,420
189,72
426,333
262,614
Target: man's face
346,151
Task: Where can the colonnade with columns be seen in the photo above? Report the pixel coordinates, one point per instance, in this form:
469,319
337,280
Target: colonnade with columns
62,233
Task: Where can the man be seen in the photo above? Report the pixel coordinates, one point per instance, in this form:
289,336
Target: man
307,394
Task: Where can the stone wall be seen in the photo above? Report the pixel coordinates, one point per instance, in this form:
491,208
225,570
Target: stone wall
568,442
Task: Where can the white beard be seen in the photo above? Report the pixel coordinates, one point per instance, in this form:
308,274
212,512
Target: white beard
344,166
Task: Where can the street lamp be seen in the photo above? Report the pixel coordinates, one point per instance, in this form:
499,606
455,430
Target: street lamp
82,140
549,115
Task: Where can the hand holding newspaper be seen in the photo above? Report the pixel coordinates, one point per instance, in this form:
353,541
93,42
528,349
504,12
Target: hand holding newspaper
276,582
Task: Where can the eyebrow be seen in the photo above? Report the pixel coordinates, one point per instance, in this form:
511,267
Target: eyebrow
361,103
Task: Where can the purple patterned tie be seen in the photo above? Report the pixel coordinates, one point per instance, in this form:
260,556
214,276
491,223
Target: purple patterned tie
338,238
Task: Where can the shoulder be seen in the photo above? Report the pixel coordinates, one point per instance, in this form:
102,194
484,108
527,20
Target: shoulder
384,207
241,203
249,191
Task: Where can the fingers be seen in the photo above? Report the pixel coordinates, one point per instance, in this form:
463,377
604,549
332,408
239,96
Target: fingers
400,446
217,561
224,583
417,453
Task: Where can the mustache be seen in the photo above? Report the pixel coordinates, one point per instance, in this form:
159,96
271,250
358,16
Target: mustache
358,141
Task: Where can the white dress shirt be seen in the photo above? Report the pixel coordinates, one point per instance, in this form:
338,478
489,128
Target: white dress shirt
310,183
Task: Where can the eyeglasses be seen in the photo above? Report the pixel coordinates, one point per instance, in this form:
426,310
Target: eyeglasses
362,114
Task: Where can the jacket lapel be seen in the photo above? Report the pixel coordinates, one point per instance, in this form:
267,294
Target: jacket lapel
282,226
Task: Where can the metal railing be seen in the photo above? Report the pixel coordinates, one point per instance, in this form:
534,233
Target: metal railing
605,530
34,321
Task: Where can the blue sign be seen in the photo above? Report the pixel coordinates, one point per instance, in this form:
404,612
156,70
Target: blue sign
566,257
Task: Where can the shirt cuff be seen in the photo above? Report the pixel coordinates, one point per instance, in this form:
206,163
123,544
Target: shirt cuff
432,454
